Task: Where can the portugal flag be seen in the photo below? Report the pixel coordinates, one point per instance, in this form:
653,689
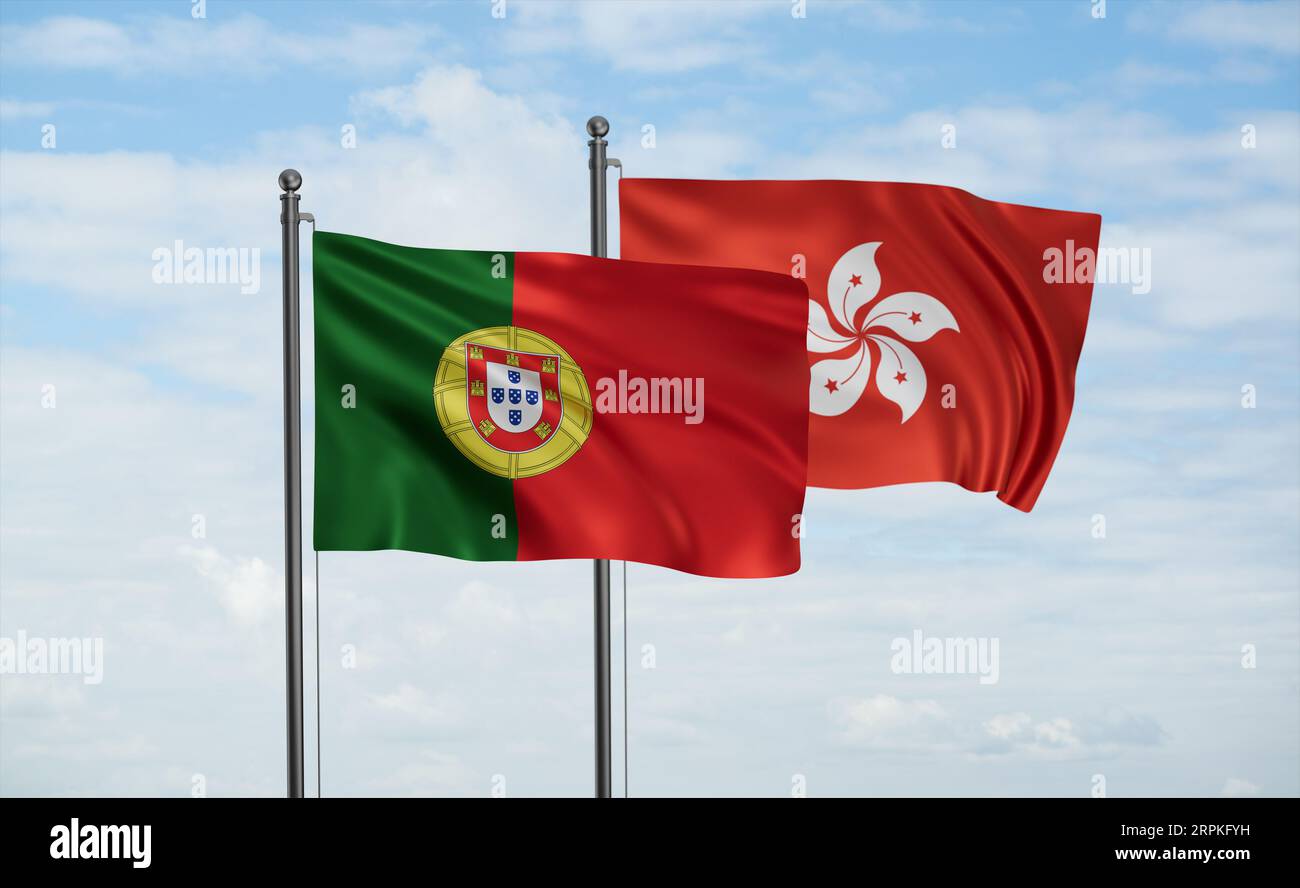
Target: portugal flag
943,329
503,406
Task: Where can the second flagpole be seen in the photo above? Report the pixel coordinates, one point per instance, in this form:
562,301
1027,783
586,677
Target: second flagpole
598,128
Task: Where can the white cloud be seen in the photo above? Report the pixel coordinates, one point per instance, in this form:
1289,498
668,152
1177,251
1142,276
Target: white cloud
885,721
114,209
248,588
1198,257
410,703
1055,736
902,16
244,45
431,773
1096,153
41,696
644,35
1007,725
1137,75
657,730
482,607
1236,788
1244,70
11,109
1061,738
1272,26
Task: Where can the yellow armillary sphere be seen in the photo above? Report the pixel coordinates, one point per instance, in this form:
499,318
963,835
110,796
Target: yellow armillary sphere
512,401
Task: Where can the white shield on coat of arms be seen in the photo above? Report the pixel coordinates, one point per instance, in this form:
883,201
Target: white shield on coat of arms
514,396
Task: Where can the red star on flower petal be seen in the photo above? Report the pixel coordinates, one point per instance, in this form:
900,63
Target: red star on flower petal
855,280
832,385
901,377
915,317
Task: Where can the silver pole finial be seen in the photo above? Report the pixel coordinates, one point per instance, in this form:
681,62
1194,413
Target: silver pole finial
290,180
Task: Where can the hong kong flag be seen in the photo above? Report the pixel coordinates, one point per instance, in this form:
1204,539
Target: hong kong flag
943,329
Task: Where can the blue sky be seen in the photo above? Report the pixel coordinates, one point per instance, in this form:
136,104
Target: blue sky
1120,656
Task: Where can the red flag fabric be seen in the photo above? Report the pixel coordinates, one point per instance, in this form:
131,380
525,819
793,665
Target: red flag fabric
713,490
943,329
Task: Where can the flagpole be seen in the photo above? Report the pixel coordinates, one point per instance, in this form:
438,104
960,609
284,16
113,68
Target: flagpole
290,182
598,128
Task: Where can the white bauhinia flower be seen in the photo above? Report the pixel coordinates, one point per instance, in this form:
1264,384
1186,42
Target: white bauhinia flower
837,383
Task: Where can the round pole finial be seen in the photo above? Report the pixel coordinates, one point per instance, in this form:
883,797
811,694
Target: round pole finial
598,127
291,180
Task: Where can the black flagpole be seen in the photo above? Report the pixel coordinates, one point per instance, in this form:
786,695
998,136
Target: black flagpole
598,128
290,182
